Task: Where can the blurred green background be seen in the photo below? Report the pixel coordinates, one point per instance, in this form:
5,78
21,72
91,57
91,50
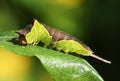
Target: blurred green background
95,22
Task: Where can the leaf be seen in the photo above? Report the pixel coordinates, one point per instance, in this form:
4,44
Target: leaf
62,67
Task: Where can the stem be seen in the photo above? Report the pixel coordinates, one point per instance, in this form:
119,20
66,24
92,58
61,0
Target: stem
101,59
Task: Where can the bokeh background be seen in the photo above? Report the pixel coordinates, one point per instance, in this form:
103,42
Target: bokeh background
95,22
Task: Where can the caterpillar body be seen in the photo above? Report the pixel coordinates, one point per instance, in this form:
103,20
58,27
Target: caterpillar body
37,32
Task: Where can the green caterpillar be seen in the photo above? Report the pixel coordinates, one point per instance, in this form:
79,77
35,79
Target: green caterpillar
37,33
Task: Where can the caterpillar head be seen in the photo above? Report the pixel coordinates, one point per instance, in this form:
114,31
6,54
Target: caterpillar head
22,33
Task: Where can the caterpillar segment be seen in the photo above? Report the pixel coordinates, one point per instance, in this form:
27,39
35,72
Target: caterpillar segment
60,35
33,34
68,43
75,47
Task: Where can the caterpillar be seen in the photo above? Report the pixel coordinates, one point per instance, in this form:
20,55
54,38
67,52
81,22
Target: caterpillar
35,33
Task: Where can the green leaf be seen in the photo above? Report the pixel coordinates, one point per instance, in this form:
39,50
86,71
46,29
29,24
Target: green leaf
61,67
